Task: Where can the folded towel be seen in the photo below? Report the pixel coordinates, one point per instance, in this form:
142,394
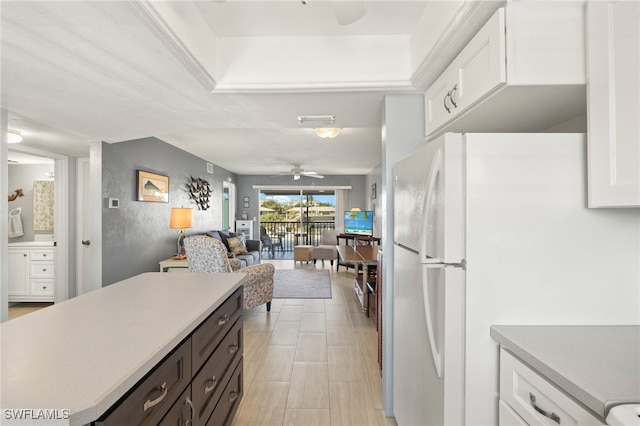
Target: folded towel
15,225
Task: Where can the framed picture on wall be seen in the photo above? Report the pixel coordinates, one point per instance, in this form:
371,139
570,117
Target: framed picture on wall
152,187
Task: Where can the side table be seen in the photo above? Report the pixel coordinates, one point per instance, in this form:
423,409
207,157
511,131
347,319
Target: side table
174,265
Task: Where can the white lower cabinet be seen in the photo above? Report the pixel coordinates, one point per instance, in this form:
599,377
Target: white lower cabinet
31,275
527,398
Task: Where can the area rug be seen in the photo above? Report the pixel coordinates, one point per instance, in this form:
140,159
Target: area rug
301,284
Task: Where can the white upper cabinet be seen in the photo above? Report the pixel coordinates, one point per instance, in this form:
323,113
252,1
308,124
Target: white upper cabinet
613,63
524,71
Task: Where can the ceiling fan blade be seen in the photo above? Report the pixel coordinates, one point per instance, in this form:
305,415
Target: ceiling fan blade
312,175
348,12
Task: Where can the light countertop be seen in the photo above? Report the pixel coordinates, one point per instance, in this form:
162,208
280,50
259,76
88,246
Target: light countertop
597,365
31,244
87,352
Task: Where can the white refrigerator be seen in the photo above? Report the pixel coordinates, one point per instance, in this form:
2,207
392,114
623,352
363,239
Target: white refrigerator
493,229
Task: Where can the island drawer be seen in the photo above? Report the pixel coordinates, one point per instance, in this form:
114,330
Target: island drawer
151,398
42,254
210,382
228,405
536,400
208,335
182,411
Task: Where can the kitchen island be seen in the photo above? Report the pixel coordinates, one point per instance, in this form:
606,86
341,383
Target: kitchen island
83,355
597,366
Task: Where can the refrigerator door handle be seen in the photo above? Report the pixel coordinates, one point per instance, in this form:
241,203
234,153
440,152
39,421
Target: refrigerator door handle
435,350
426,217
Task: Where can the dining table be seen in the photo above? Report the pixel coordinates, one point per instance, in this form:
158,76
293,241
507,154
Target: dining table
360,256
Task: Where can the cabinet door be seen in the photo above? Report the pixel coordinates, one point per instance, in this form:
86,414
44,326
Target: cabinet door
613,65
18,273
481,66
437,105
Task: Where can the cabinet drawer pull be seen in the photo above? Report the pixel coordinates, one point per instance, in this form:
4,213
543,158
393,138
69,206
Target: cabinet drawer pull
233,348
445,102
553,416
208,389
152,403
44,255
44,269
233,395
189,403
223,320
451,92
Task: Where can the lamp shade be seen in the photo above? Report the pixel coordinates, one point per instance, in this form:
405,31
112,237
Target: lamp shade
181,217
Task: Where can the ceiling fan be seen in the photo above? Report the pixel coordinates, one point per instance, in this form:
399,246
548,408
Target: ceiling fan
297,171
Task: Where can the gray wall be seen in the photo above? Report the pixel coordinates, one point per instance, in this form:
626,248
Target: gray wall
136,236
403,121
22,176
358,195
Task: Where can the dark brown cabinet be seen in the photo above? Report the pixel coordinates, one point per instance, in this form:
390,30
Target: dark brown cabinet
198,383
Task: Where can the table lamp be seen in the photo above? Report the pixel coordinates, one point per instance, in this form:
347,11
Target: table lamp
181,218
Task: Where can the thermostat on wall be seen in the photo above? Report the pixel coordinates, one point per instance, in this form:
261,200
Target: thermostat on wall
114,203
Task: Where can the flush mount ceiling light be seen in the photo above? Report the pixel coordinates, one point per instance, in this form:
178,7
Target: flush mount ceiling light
328,132
316,119
13,136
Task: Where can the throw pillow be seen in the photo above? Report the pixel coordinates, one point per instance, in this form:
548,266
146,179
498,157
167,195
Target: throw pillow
236,245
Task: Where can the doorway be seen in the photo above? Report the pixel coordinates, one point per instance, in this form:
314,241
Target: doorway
60,232
297,216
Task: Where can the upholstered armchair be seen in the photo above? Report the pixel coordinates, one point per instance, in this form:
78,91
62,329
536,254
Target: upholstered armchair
206,254
327,249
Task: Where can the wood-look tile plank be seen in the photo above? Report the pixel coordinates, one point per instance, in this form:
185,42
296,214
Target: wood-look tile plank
345,364
309,385
262,321
312,347
350,405
313,305
263,404
277,364
255,345
285,333
313,323
340,335
337,314
307,417
291,313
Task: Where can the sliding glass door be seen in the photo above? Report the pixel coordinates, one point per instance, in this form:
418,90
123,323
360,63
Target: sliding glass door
297,216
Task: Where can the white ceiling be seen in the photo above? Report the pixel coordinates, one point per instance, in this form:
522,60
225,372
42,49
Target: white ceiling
74,72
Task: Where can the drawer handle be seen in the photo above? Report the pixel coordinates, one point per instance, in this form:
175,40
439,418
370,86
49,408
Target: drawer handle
223,320
152,403
445,102
44,269
233,348
189,403
553,416
451,92
44,255
208,389
233,395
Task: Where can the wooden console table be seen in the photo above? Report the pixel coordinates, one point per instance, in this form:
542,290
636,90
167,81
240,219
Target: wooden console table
366,256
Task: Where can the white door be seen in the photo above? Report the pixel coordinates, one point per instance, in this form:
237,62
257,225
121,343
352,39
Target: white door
83,247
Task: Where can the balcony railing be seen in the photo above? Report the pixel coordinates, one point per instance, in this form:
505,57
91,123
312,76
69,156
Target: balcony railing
291,234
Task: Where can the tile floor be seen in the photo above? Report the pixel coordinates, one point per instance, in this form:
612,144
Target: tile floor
19,309
311,361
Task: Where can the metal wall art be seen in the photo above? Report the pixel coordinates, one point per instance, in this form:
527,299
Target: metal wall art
199,191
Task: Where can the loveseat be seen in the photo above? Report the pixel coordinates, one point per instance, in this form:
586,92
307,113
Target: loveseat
247,251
